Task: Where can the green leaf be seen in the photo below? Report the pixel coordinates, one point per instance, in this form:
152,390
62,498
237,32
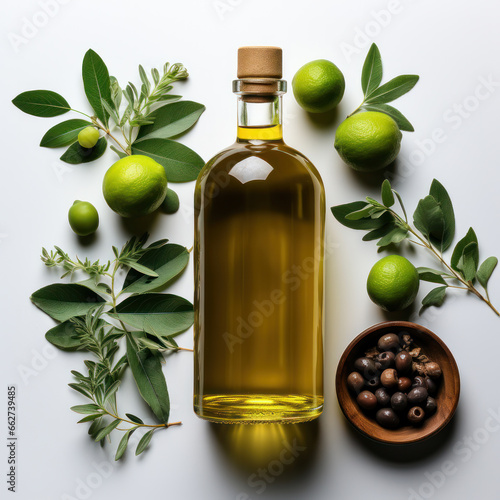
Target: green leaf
64,336
142,269
111,390
392,90
119,152
366,211
123,443
90,418
371,76
104,432
430,275
171,120
75,154
44,103
429,219
181,163
395,114
469,261
485,271
134,419
397,235
439,193
167,261
64,301
63,134
97,84
387,194
116,92
380,232
434,298
81,390
340,212
459,248
85,409
156,312
143,443
148,375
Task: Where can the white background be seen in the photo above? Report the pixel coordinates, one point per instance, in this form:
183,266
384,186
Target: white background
452,45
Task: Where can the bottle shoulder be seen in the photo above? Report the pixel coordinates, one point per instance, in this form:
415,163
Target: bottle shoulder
276,154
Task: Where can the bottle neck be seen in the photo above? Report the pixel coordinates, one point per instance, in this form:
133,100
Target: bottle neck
259,118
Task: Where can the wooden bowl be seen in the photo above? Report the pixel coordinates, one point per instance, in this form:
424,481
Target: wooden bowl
447,396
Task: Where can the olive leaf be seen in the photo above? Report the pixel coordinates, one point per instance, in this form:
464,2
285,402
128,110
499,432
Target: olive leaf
430,275
486,270
392,90
469,261
428,218
63,134
387,194
371,75
340,212
144,442
76,154
97,84
401,120
181,163
148,375
470,237
434,298
43,103
439,193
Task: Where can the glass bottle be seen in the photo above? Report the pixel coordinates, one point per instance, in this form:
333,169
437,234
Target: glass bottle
258,253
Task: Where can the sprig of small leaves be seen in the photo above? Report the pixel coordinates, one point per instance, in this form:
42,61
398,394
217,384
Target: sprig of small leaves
377,96
150,115
146,323
434,229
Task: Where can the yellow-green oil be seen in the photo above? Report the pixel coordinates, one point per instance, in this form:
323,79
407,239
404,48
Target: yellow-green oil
259,231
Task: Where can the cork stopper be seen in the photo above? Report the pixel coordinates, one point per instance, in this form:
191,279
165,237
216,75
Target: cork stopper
260,62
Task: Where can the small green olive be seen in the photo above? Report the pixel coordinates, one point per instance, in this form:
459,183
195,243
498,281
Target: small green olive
83,218
88,137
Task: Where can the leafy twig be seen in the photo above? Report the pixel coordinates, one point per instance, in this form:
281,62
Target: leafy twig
434,229
377,96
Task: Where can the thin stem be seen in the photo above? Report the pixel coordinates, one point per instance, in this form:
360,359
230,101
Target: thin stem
153,426
468,284
82,113
108,132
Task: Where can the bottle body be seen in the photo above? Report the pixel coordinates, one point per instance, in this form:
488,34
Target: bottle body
259,236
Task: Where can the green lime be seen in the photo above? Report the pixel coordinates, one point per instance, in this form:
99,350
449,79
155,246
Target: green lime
88,137
135,186
170,204
83,218
368,140
393,283
318,86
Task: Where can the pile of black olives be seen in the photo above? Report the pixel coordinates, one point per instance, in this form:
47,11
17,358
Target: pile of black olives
387,385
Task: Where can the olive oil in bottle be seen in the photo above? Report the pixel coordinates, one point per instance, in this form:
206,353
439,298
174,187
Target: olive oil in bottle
259,235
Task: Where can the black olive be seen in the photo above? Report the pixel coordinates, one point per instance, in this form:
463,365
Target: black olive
403,362
389,378
355,382
416,415
373,383
417,395
433,369
386,359
383,397
387,418
430,406
399,401
431,386
366,367
388,342
367,400
418,381
404,384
